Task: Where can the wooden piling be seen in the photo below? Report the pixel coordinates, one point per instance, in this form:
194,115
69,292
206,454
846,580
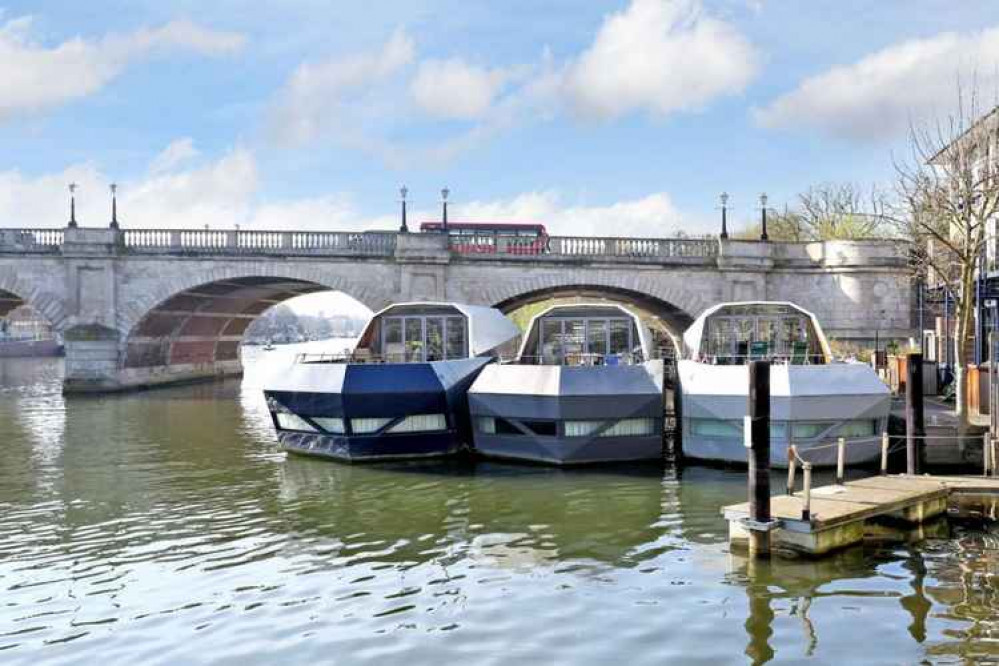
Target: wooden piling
792,465
806,491
840,459
759,456
986,455
884,453
915,443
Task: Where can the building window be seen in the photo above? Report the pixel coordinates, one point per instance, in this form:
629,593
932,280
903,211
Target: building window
288,421
420,423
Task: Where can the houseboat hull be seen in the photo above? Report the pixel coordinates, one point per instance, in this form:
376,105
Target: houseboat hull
407,410
810,407
541,414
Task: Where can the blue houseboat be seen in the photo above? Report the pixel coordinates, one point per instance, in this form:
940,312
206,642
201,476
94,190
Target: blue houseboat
402,391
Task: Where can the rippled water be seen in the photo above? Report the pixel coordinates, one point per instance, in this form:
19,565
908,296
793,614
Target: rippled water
166,527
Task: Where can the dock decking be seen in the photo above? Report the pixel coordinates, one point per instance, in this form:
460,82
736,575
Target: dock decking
839,513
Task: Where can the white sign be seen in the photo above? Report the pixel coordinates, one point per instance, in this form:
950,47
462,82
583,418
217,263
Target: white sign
747,431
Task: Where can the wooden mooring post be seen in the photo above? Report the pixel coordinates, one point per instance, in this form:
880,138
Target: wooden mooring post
760,522
915,442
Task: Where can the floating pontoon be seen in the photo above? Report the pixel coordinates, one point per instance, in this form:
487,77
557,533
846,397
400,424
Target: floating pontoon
401,393
813,401
584,389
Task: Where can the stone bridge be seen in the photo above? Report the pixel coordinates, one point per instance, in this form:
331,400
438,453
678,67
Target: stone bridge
138,308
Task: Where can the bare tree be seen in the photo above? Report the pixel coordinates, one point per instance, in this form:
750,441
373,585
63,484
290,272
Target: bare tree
949,193
827,211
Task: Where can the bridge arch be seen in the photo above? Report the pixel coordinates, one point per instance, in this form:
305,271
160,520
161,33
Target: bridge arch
16,291
674,319
193,323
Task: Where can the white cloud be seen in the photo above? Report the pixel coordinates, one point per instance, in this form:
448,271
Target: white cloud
37,77
176,153
876,97
311,101
660,56
454,89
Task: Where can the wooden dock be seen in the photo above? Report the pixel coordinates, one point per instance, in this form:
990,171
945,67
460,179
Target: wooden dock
839,515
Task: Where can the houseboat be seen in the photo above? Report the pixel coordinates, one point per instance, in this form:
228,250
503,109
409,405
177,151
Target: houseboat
400,393
813,400
584,388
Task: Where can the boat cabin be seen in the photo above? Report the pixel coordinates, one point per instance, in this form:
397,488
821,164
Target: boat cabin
585,334
428,332
734,333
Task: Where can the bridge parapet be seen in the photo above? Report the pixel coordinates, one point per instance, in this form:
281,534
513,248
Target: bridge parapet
45,241
236,242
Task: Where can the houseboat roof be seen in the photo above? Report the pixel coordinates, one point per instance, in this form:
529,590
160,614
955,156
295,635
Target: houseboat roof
488,328
693,336
583,310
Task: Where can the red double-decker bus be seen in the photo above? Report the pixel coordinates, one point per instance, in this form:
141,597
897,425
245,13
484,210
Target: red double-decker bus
493,237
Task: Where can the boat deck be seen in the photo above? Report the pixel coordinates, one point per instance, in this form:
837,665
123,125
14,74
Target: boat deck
840,514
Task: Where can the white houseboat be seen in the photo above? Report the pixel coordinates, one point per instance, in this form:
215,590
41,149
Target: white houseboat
584,389
814,400
401,392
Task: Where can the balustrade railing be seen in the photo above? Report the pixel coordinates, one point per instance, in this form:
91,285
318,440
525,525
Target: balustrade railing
210,241
32,240
484,246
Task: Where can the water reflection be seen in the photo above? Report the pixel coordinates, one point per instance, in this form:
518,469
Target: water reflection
133,524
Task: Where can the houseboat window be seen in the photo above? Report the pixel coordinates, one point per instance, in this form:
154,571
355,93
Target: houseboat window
435,338
862,428
287,421
414,339
735,332
486,425
630,428
542,428
367,426
551,341
456,344
622,428
809,430
596,336
581,428
620,336
716,428
331,425
392,347
420,423
574,338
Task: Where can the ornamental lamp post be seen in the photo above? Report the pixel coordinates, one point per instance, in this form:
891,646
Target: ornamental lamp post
114,206
444,194
724,207
403,191
72,206
763,209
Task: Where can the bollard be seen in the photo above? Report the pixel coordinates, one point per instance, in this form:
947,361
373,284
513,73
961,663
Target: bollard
792,462
759,456
914,441
806,508
884,453
986,455
840,459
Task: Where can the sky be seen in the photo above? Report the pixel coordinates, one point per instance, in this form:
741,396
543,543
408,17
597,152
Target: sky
593,117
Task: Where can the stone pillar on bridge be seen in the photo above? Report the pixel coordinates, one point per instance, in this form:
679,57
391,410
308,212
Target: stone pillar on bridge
92,340
422,261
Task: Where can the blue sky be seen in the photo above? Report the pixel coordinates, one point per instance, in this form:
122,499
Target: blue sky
594,117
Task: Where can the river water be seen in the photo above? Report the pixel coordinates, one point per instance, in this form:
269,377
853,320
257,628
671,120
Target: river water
166,527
